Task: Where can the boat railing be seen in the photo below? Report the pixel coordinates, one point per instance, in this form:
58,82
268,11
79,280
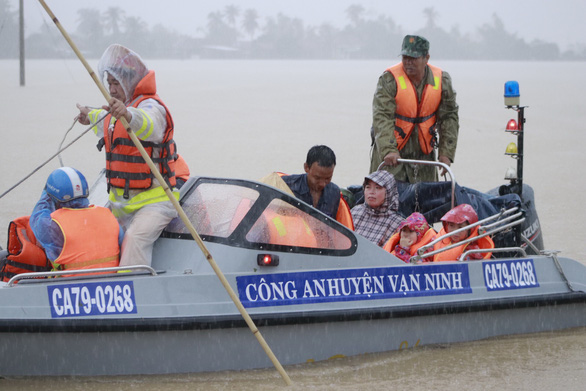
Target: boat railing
493,250
430,163
497,226
118,271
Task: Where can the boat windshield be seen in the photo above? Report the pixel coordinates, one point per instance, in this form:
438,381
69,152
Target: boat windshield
252,215
215,209
283,224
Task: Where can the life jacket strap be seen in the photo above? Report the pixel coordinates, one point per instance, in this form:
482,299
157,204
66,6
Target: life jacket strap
399,130
416,120
100,144
91,262
127,189
26,266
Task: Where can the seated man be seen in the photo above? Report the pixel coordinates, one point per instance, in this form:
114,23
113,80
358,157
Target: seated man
315,187
74,234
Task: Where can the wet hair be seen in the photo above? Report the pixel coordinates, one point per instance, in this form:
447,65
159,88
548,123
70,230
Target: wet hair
323,155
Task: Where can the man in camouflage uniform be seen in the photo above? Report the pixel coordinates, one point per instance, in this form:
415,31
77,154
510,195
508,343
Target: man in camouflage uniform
389,141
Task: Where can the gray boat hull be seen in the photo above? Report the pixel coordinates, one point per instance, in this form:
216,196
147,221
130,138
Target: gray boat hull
345,298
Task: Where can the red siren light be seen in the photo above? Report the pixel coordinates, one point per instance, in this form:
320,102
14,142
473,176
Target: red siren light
512,126
267,260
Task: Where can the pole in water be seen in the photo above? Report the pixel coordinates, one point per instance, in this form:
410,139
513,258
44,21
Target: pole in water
177,206
21,40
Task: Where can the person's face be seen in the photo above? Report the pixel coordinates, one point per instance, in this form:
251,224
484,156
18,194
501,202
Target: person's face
408,237
116,90
415,67
374,194
318,177
459,236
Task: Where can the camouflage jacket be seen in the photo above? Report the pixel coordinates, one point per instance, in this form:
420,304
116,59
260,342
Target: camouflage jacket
383,128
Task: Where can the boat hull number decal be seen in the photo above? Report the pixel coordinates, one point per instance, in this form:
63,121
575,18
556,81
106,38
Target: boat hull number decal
93,298
352,284
505,275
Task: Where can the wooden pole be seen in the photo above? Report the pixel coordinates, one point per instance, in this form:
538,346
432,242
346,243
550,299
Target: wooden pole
180,210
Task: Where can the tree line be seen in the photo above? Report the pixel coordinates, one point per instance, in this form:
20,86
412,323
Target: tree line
237,33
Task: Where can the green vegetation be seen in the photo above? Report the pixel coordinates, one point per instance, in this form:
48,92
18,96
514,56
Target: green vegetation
236,33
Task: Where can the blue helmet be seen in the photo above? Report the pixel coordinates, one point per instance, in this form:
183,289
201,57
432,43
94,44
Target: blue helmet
66,184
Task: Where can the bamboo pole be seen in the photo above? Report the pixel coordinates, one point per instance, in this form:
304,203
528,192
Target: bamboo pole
177,206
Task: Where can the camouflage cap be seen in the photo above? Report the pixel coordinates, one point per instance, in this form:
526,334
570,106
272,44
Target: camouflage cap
414,46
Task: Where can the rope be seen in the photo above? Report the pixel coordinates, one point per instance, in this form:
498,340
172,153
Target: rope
57,44
58,152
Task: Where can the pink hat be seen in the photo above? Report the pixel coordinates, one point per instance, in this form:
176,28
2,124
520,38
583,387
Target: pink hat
415,222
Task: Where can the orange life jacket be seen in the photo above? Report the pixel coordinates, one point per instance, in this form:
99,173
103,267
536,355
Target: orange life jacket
454,253
90,238
428,236
410,111
343,215
289,230
181,168
24,255
125,167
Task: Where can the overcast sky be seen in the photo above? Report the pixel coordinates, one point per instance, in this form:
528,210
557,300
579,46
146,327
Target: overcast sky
559,21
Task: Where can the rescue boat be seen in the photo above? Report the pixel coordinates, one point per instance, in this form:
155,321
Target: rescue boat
314,289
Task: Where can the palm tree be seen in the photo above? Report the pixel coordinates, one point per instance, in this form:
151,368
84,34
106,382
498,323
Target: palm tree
431,15
137,35
90,30
214,19
355,12
231,12
250,22
219,32
8,30
114,17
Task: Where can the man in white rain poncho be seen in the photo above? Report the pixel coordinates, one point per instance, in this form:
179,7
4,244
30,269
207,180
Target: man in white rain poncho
135,197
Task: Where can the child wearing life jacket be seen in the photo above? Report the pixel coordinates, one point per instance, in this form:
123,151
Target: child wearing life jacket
457,218
413,233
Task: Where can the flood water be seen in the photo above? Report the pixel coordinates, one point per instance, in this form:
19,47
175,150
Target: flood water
244,119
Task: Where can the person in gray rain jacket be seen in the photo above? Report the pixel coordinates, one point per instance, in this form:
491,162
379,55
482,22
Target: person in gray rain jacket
378,217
